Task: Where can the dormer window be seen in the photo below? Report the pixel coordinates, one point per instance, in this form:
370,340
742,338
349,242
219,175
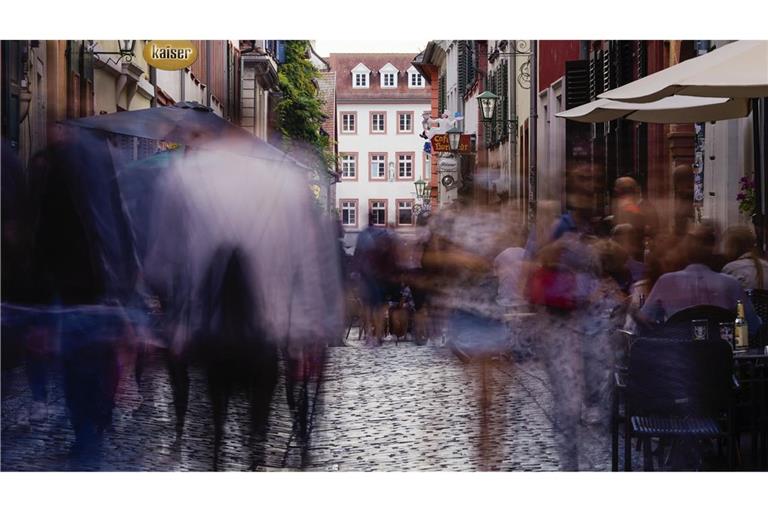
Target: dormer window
360,76
361,79
388,76
415,79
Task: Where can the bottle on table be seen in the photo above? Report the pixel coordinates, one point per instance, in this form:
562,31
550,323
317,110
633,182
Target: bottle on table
741,332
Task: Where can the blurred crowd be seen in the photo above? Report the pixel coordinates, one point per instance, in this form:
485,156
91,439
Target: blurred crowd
219,257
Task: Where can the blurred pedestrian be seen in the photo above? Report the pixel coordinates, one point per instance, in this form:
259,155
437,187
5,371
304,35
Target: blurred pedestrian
375,260
86,271
260,269
574,301
743,256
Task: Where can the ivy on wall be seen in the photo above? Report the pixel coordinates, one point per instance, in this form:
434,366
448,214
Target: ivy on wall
300,109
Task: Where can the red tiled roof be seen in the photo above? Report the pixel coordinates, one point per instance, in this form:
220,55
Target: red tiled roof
343,63
327,83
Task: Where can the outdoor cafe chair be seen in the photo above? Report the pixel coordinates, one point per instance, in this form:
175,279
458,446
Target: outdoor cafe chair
675,390
759,300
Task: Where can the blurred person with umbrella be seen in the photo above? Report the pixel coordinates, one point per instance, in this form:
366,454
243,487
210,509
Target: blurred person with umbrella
240,256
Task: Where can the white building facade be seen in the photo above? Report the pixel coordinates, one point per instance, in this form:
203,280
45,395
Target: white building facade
380,100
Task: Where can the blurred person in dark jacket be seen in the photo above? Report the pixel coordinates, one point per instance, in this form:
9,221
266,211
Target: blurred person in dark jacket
85,271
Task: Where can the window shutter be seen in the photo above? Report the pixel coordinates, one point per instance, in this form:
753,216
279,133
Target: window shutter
642,59
607,75
504,96
462,68
578,83
472,61
592,77
499,104
441,98
625,53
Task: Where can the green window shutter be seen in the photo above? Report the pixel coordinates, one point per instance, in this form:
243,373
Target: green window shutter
462,68
499,104
441,99
504,103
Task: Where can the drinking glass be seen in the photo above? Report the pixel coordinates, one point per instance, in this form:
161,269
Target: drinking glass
726,332
700,328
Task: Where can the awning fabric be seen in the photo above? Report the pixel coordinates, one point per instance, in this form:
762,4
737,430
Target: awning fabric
736,70
674,109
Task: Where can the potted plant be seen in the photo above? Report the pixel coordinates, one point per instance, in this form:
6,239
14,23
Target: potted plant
746,196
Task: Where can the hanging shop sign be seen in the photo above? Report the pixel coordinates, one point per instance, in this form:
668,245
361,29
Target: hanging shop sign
440,144
170,55
447,164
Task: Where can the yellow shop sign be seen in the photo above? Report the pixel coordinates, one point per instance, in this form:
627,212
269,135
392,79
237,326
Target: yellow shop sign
170,55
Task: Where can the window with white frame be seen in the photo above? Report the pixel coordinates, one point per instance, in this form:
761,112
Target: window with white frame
349,213
360,79
415,79
378,167
388,75
405,166
378,122
405,212
348,166
349,122
405,122
379,212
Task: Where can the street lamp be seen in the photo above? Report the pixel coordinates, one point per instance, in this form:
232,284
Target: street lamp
126,48
422,190
487,101
454,138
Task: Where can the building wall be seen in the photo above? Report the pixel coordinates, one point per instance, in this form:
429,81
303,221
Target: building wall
363,188
32,122
550,184
552,57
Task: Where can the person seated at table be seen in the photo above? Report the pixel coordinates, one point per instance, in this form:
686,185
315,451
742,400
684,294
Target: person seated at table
661,258
745,263
697,284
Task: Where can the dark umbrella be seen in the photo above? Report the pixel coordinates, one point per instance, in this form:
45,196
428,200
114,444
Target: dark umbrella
188,123
185,123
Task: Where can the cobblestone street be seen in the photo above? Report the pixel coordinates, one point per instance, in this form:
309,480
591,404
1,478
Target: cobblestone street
391,408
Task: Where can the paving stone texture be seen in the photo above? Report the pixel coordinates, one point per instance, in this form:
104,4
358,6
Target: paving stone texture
390,408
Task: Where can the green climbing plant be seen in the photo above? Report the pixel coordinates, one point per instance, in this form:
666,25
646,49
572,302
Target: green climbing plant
300,109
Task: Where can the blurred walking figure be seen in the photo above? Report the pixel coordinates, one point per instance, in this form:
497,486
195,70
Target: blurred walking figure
574,298
461,288
630,208
375,260
249,271
85,272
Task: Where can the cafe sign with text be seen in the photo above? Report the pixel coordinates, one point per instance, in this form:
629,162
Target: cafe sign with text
440,144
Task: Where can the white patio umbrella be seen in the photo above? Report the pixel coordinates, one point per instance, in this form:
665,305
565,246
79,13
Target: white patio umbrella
736,70
674,109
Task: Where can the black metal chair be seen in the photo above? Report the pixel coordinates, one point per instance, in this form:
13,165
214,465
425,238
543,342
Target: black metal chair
759,300
675,390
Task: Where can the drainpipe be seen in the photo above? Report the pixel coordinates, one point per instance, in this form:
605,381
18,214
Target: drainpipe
153,81
532,178
512,81
760,141
182,78
208,93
